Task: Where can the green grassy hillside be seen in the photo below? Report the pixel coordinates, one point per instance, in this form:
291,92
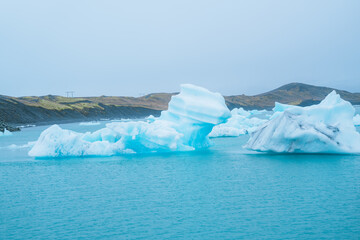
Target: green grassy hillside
50,108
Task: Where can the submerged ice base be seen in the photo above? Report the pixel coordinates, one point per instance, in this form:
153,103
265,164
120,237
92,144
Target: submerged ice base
324,128
190,117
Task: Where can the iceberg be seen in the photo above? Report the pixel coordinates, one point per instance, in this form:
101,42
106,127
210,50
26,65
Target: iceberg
185,126
89,123
150,118
357,120
258,112
5,133
240,123
279,108
15,147
240,112
323,128
251,113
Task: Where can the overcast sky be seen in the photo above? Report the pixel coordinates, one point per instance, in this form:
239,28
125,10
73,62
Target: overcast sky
112,47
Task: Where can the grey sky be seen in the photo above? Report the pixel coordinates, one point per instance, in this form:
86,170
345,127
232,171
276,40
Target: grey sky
114,47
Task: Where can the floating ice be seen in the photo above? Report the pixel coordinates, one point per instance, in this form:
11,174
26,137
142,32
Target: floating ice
186,124
15,147
258,112
5,133
324,128
240,123
26,126
89,123
150,118
240,112
279,108
251,113
357,120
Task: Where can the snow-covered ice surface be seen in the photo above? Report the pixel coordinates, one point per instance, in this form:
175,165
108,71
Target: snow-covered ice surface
190,117
241,122
324,128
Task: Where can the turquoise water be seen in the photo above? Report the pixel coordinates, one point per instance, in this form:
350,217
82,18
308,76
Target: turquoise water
221,193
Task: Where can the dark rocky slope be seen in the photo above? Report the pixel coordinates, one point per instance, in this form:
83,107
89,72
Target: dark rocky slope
16,111
4,125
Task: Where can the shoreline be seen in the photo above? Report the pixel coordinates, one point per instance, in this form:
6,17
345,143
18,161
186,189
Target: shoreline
79,120
68,121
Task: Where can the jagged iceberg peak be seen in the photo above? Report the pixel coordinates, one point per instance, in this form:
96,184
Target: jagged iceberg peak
279,108
323,128
184,126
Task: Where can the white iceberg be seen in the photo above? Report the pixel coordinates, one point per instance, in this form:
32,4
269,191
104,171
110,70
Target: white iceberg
356,120
186,124
258,112
324,128
15,147
92,123
279,108
5,133
240,112
240,123
150,118
251,113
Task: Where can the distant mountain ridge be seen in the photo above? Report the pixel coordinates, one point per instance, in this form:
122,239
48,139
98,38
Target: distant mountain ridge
293,93
57,109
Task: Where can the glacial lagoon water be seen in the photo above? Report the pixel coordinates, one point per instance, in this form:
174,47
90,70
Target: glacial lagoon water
224,192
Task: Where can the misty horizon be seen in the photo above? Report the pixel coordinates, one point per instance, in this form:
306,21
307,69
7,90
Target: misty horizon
65,94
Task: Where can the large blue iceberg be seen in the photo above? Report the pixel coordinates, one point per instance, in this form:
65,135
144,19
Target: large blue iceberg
324,128
190,117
